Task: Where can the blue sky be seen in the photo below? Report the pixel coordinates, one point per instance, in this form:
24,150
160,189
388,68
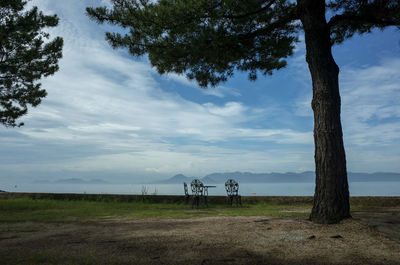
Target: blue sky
111,116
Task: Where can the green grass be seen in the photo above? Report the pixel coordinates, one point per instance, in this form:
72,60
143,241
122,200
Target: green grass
47,210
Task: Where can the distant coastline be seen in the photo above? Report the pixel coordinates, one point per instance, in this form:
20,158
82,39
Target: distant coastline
241,177
289,177
72,181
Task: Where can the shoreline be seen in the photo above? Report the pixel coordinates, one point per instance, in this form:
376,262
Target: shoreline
381,201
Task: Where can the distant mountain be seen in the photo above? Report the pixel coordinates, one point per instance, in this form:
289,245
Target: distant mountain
247,177
209,180
42,181
97,181
289,177
176,179
72,181
371,177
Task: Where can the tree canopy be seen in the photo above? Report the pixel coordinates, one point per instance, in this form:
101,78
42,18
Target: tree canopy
25,57
209,39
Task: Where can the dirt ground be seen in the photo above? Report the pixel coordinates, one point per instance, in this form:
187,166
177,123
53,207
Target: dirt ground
365,239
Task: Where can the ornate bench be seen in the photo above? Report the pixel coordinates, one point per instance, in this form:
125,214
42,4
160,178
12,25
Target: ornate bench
232,191
197,191
187,196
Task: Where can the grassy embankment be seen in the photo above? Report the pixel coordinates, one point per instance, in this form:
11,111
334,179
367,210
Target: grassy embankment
47,210
21,207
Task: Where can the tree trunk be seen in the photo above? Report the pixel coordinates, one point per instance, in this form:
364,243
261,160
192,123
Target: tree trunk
331,198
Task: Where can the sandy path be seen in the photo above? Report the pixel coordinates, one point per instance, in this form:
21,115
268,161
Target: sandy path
211,240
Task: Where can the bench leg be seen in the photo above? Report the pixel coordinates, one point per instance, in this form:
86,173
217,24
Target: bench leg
238,200
195,201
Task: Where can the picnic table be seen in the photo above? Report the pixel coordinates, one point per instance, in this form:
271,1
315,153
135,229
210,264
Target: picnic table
206,193
206,189
199,192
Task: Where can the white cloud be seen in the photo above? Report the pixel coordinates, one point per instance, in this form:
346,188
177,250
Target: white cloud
167,160
218,91
370,103
281,136
221,91
230,109
105,111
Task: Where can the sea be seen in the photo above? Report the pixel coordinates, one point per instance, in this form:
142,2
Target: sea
387,188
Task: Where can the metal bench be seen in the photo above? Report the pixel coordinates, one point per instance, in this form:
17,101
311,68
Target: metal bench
197,191
232,191
187,196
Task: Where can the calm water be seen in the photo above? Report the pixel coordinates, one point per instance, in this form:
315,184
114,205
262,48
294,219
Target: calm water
249,189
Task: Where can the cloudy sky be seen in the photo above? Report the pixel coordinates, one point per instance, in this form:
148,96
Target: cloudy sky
111,116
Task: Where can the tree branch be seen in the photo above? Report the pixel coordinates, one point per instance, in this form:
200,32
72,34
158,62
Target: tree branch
371,18
268,5
277,24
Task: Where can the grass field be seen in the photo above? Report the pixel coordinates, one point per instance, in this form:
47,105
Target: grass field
103,230
47,210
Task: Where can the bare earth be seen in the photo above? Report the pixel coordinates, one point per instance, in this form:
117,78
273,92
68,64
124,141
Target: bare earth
365,239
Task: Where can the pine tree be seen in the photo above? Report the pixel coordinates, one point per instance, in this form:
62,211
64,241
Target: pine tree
208,40
25,58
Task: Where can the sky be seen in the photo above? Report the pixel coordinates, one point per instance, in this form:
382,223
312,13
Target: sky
110,116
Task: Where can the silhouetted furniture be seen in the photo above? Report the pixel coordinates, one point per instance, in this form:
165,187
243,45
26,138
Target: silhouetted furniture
197,191
205,193
232,191
186,192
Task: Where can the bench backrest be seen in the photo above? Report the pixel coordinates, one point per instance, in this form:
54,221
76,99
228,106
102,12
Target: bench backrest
231,187
185,187
197,187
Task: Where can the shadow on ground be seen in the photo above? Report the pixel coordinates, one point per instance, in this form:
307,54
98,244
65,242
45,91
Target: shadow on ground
365,239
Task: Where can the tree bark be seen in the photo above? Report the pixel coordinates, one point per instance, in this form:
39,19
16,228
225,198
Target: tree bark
331,198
